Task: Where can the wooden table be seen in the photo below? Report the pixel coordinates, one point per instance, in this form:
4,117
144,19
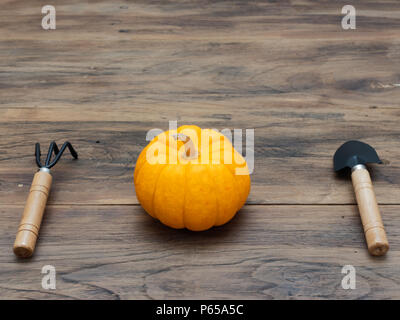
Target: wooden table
112,70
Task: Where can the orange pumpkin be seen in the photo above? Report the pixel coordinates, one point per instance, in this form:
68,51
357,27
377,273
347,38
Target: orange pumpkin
191,178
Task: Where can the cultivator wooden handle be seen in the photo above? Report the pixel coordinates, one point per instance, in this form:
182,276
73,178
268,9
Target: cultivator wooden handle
28,230
374,230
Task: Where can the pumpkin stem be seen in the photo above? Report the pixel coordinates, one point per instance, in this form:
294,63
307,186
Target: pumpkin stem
190,149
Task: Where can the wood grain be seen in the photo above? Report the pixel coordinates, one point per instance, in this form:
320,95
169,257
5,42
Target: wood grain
112,70
264,252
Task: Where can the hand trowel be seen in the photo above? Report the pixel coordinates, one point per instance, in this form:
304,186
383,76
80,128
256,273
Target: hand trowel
355,155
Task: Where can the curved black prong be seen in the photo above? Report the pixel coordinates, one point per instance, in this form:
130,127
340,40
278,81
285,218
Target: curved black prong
60,153
56,150
50,153
37,155
72,150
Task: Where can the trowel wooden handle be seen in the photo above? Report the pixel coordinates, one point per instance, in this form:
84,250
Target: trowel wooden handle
374,230
28,229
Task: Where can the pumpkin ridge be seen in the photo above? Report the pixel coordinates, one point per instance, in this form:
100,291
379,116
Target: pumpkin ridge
154,191
216,197
236,189
144,154
184,196
138,168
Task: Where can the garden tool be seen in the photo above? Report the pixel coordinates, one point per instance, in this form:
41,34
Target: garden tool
355,155
28,229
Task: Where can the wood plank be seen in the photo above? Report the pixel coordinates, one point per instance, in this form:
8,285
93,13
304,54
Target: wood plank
197,76
265,252
291,150
129,56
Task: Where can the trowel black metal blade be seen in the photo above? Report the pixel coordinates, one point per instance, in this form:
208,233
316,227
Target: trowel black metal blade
353,153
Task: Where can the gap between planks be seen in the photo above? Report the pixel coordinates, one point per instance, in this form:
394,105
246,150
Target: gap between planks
65,205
